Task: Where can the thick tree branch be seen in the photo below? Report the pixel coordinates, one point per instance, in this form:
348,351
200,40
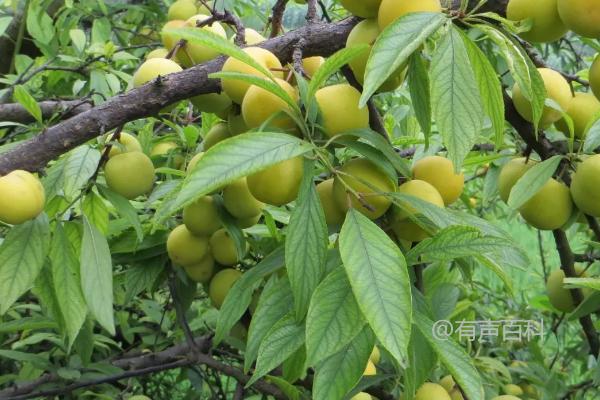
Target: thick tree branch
15,112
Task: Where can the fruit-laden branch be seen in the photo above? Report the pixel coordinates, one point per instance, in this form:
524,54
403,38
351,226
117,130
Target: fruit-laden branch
178,356
15,112
319,39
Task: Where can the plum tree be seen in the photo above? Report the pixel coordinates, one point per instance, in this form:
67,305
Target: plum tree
261,106
362,8
236,89
511,173
557,89
550,208
339,109
402,226
194,53
583,110
220,285
560,297
185,248
546,25
153,68
278,184
585,186
391,10
223,248
202,217
203,271
439,172
126,143
431,391
216,134
366,32
581,16
239,201
360,177
130,174
22,197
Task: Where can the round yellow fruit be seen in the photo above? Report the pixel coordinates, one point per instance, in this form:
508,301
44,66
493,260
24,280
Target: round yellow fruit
216,134
333,214
22,197
127,144
239,201
164,149
193,53
511,173
236,123
439,172
512,389
365,179
182,9
203,271
202,217
261,106
550,208
375,356
546,25
220,285
391,10
560,297
185,248
339,109
253,37
236,89
248,222
223,248
139,397
431,391
402,226
362,8
129,174
312,64
169,40
594,76
192,164
366,32
581,16
583,109
154,68
585,186
362,396
370,369
157,53
278,184
557,89
214,103
448,383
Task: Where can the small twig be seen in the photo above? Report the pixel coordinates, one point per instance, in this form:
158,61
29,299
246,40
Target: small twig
277,17
181,318
542,255
180,44
324,11
297,57
311,14
227,18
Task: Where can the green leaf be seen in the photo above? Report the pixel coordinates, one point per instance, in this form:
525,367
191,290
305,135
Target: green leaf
333,319
39,23
282,340
590,303
590,283
532,181
592,138
454,358
306,243
338,374
22,96
235,158
420,92
240,295
230,224
124,207
26,324
80,165
395,45
22,256
78,38
455,96
67,283
4,23
96,275
275,301
421,361
379,278
96,211
36,360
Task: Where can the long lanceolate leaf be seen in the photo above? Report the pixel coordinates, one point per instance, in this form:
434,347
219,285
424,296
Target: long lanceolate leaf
379,278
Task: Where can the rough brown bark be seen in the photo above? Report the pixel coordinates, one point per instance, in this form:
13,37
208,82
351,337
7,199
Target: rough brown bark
16,113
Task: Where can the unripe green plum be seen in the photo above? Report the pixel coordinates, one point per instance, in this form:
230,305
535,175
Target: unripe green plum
279,184
157,53
506,397
581,16
557,89
431,391
594,76
236,89
402,226
236,123
182,10
550,208
511,173
366,32
391,10
202,217
220,285
248,222
193,53
130,174
239,201
203,271
139,397
127,144
192,164
260,105
439,172
585,186
216,134
367,180
339,109
152,69
362,396
512,389
583,109
185,248
546,25
362,8
214,103
22,197
223,248
333,214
